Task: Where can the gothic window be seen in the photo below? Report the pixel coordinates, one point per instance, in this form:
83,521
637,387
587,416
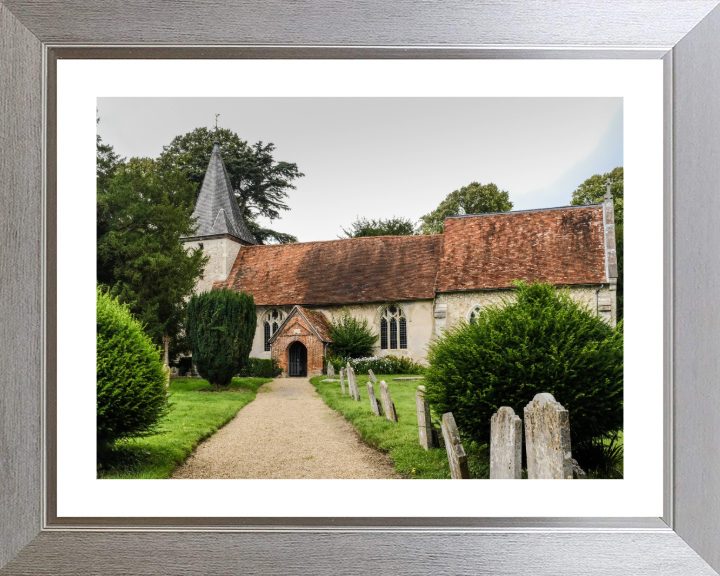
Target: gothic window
474,313
393,329
271,323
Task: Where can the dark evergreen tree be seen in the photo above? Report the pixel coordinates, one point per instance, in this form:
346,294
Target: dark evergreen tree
220,328
261,183
143,211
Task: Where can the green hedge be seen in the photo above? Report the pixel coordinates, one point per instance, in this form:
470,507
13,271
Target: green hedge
261,368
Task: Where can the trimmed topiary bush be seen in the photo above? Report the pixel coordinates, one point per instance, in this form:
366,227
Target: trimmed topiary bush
542,342
220,328
351,337
131,393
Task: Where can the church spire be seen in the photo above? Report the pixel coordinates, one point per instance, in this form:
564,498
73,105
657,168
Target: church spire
216,209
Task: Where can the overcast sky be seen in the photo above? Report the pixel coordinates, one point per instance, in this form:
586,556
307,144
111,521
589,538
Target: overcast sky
383,157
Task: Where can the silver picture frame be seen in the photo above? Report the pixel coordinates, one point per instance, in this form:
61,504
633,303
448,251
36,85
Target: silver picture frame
684,34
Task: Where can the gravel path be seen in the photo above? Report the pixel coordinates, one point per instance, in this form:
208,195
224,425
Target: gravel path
286,432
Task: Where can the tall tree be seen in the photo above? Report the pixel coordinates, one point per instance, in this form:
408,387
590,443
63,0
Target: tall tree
475,198
261,184
143,212
592,191
391,227
107,161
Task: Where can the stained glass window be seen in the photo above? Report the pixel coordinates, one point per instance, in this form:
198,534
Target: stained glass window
474,314
403,333
383,334
393,334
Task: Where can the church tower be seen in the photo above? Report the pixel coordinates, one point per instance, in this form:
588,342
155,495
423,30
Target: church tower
221,229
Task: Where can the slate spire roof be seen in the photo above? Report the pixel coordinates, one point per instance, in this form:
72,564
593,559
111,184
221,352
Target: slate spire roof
216,209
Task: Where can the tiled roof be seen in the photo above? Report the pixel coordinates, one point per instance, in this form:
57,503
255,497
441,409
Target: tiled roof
216,208
316,320
355,270
476,252
560,246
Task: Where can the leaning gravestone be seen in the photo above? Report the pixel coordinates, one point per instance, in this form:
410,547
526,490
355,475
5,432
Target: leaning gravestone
388,406
547,439
374,404
342,379
505,445
372,376
352,383
424,423
330,371
455,451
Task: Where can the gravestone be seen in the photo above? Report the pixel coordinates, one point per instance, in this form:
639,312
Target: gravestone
424,423
372,376
330,371
455,451
352,383
374,404
547,439
388,406
505,445
342,379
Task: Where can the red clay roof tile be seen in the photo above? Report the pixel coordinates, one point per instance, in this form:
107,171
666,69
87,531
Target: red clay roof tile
355,270
560,246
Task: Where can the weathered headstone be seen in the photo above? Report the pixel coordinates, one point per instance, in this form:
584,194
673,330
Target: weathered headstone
388,406
547,439
374,404
505,445
424,422
330,371
455,451
342,379
174,372
352,383
372,376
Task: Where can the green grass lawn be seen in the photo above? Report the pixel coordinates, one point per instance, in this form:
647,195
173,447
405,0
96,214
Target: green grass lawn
197,413
399,439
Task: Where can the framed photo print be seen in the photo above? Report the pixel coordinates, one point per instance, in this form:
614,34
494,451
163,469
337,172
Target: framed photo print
275,279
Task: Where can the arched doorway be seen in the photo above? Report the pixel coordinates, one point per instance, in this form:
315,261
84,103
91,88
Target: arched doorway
297,365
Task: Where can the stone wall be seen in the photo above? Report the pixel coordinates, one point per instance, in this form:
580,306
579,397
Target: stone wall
457,306
223,252
297,330
427,318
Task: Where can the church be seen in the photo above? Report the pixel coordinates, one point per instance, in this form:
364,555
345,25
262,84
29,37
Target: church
409,288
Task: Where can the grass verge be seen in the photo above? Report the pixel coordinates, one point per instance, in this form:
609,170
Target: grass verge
197,412
400,440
